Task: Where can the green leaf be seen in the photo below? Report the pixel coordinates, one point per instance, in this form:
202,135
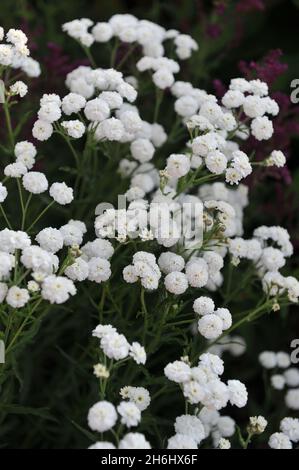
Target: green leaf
25,410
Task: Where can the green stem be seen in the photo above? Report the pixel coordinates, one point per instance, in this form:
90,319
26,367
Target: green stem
25,210
113,54
145,313
9,125
159,98
5,217
23,325
126,56
21,199
89,56
40,215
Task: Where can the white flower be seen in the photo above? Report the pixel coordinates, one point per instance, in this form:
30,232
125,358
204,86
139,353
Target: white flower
278,381
140,396
262,128
99,247
78,271
163,78
17,297
224,443
19,88
225,316
257,87
115,346
210,326
278,440
49,112
137,352
16,37
268,359
233,99
142,150
186,106
33,286
102,445
35,182
257,424
102,416
197,272
216,396
290,427
50,239
254,106
61,193
193,391
130,414
3,193
292,377
237,393
25,153
6,54
277,158
99,270
42,130
102,330
72,234
50,99
213,362
134,440
283,360
181,441
176,283
96,110
226,426
292,399
72,103
57,289
102,32
190,426
37,259
110,129
15,170
216,162
169,262
203,306
112,98
74,129
178,371
178,165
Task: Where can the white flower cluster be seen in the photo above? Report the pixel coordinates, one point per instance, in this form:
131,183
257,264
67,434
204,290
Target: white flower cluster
212,322
284,375
202,384
34,182
268,249
289,432
127,28
217,426
15,54
138,395
143,268
115,345
40,261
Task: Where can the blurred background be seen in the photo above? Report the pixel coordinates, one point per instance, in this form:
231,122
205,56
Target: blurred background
251,38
